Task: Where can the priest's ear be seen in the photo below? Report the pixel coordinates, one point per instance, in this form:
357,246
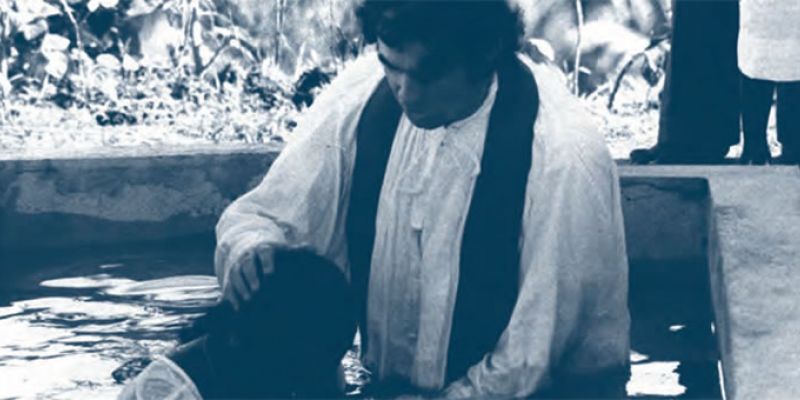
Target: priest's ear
488,62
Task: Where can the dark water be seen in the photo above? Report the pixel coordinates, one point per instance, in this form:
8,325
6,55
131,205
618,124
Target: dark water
68,320
673,347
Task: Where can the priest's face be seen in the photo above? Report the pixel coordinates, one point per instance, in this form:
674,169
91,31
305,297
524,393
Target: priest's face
430,92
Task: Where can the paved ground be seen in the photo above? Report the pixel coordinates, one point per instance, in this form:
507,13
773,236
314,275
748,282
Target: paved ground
757,212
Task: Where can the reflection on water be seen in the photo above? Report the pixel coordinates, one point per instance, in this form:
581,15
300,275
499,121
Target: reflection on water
674,351
67,322
66,325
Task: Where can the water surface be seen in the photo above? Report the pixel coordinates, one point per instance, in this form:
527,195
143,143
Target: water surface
68,320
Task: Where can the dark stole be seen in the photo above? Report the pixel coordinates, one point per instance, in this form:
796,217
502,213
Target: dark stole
490,253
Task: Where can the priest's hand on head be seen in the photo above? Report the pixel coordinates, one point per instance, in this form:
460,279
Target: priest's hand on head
244,277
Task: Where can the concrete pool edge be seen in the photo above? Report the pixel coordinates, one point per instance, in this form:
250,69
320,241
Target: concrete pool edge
128,196
719,303
684,230
754,248
123,195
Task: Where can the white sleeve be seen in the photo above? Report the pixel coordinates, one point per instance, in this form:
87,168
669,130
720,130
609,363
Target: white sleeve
297,204
301,202
571,312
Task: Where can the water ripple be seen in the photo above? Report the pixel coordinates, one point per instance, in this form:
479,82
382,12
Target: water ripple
66,338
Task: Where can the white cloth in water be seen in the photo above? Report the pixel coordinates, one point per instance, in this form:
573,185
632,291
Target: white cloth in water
769,39
161,380
572,307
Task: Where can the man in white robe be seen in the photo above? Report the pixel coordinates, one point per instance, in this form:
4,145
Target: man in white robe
570,314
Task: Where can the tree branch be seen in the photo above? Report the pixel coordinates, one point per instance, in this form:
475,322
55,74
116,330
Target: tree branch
225,44
618,81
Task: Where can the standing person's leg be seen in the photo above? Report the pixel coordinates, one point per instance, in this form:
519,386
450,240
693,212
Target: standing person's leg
287,341
699,116
788,114
756,103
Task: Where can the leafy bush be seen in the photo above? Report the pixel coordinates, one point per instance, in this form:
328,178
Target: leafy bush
207,68
227,70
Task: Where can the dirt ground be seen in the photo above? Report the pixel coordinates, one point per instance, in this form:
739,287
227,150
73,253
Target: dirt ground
31,131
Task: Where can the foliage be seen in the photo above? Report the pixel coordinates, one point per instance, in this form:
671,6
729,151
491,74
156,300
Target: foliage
203,67
242,70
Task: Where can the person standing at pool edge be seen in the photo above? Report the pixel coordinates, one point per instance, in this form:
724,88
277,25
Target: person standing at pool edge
769,53
465,202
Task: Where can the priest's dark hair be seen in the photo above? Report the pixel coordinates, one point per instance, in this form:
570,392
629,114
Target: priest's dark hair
477,34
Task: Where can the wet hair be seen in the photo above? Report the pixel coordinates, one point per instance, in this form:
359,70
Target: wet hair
477,34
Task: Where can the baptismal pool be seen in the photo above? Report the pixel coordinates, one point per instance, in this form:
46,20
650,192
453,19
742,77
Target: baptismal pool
69,319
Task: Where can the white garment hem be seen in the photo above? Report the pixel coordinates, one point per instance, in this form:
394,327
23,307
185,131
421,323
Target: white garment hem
769,59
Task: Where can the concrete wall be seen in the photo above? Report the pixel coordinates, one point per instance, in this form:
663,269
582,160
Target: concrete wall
666,218
122,197
128,197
